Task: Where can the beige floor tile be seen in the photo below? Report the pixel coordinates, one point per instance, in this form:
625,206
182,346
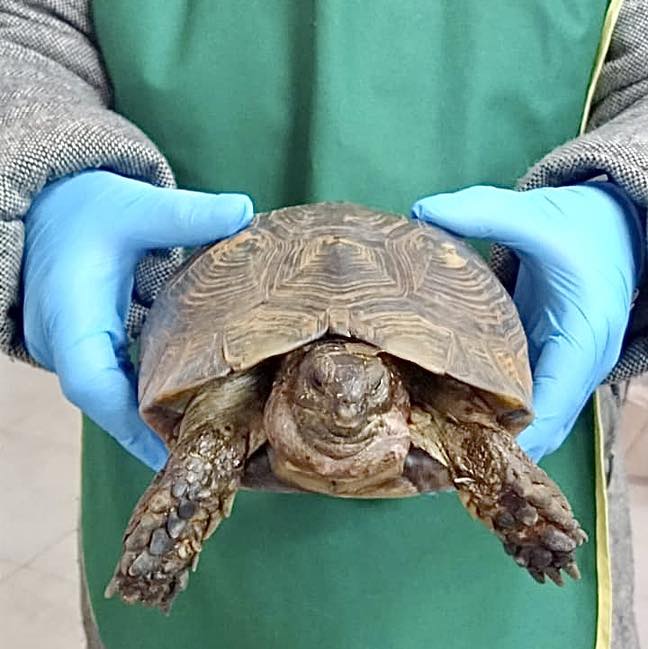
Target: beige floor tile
637,457
7,568
31,402
60,560
634,424
639,513
54,419
638,393
40,480
39,611
641,610
24,390
39,473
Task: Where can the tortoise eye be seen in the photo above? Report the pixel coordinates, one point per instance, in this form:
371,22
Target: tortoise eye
318,377
378,384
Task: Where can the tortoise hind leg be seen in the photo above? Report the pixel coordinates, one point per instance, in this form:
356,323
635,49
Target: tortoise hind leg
182,507
511,495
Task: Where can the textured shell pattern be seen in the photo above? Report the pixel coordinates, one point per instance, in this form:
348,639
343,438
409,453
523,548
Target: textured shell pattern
300,273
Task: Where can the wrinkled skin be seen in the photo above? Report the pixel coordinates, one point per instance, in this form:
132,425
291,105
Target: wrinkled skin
338,391
342,419
337,420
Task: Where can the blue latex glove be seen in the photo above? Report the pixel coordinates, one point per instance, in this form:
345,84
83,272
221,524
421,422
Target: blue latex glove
581,252
84,237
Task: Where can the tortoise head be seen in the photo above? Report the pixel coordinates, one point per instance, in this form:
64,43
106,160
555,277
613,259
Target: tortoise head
339,392
337,418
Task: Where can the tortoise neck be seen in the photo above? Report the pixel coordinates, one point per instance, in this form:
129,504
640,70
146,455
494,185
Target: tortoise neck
224,404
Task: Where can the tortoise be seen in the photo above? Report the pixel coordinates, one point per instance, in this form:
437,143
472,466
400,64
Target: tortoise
331,348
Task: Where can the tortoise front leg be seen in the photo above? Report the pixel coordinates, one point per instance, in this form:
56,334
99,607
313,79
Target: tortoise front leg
184,504
500,485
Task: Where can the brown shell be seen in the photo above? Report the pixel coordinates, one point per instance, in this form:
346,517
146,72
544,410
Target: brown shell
299,273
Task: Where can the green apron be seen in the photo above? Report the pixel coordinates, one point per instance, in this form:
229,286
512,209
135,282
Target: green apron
380,103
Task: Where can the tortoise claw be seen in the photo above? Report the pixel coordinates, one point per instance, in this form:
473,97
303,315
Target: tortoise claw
554,573
572,570
178,512
518,501
534,540
555,576
537,575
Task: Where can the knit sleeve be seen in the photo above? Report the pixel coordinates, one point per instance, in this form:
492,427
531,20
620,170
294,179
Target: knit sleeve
55,120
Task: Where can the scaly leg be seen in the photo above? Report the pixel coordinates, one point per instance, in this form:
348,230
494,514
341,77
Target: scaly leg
183,505
514,497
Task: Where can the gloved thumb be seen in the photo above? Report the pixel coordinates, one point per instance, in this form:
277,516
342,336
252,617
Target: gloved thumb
483,212
168,218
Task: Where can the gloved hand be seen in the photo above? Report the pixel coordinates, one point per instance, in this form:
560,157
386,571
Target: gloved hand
84,237
581,251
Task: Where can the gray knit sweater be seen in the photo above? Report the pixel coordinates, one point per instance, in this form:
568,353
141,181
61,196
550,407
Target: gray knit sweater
55,119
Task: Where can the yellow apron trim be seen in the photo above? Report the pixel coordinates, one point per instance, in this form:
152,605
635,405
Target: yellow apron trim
609,23
603,569
603,566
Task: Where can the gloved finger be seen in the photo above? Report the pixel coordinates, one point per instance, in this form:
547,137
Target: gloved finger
486,213
561,386
174,217
94,379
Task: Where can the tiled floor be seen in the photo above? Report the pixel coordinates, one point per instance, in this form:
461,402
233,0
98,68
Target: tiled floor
635,442
39,483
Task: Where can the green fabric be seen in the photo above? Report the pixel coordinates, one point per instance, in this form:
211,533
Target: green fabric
380,103
311,572
372,101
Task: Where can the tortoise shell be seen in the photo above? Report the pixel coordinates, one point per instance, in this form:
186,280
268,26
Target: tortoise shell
300,273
